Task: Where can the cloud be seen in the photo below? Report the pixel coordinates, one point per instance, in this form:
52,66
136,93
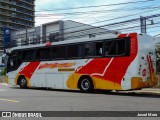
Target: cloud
93,17
40,19
83,18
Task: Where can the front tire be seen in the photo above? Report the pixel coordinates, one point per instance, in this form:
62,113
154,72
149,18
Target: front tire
23,82
86,85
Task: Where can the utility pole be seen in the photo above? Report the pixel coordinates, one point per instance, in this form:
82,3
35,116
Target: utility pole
143,24
26,33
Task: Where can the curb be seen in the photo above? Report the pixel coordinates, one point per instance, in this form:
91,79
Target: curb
143,91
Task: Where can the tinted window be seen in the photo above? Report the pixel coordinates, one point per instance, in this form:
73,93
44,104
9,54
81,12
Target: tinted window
43,53
14,61
75,51
114,47
28,55
99,48
16,57
59,52
89,49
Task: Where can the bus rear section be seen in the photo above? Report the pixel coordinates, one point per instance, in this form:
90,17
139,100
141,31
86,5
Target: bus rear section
143,70
109,63
133,69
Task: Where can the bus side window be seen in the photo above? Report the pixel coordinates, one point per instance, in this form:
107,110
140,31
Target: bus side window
29,55
116,47
121,47
59,52
54,52
106,48
99,46
110,48
19,57
89,49
43,53
75,51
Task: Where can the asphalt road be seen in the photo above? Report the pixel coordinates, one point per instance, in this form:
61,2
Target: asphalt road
16,99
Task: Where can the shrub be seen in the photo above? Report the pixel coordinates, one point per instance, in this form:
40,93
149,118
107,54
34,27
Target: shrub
3,71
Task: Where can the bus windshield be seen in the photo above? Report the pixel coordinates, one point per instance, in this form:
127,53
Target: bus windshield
14,60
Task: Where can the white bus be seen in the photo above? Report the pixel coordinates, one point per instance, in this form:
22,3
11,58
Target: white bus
110,62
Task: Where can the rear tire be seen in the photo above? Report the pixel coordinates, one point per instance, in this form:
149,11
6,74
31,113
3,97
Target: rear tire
86,85
23,82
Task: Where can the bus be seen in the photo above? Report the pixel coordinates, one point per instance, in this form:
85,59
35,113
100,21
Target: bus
108,62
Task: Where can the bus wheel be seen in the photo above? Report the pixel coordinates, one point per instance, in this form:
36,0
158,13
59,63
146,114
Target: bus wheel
23,82
86,85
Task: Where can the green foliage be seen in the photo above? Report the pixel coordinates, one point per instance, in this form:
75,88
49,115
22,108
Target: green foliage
3,71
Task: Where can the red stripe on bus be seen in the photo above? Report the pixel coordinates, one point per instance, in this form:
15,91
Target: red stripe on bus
28,70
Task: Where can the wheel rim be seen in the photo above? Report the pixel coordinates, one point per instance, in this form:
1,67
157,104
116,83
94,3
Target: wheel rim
23,82
85,84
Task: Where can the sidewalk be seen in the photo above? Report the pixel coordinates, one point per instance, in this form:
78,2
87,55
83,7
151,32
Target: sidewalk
2,79
149,90
144,91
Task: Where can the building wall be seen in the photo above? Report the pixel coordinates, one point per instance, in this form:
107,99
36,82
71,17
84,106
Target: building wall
58,31
74,30
16,14
26,36
1,52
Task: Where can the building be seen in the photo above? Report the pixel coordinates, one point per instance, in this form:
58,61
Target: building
16,14
56,31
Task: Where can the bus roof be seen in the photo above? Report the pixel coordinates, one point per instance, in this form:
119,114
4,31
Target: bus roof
78,40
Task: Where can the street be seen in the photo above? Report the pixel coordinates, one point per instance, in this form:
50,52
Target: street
61,100
13,98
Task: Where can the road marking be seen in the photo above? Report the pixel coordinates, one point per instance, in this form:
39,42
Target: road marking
8,100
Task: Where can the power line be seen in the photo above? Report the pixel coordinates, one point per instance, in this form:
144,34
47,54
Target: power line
118,23
124,3
103,21
126,28
112,19
99,11
122,22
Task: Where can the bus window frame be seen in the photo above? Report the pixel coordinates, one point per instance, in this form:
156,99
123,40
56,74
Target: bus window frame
12,57
79,43
50,51
126,53
65,57
91,56
126,50
34,59
98,41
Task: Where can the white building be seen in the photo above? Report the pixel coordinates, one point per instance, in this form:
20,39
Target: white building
56,31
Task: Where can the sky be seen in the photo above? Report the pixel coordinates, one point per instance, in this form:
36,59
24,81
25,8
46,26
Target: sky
106,13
